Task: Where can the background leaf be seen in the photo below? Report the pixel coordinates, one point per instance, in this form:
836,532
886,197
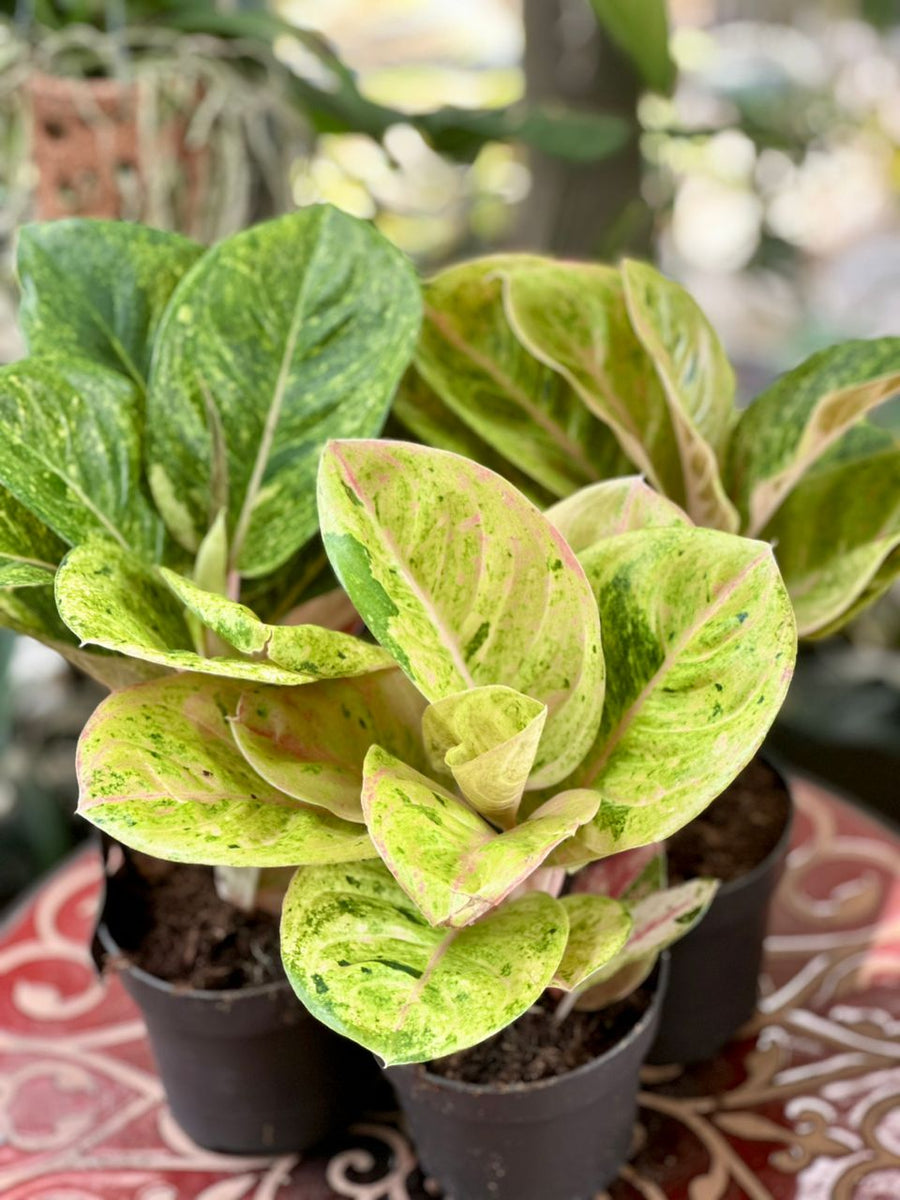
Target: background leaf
526,411
71,452
795,421
698,383
293,331
466,584
158,770
365,962
98,289
640,28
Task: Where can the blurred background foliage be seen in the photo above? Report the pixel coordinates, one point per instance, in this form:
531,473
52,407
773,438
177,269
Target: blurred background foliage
751,147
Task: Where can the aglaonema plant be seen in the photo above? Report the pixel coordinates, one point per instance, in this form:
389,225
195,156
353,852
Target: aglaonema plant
561,374
170,413
531,715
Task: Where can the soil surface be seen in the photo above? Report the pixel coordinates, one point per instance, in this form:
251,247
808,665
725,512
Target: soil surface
736,832
536,1047
169,921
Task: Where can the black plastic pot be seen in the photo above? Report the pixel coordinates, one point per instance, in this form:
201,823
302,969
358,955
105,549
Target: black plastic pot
714,970
558,1139
248,1070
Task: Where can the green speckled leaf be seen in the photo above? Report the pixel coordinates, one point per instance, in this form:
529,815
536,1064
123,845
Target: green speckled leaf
158,770
523,409
466,584
449,861
98,289
599,927
574,318
23,575
612,507
795,421
424,414
308,650
698,383
71,451
110,598
659,920
700,641
311,742
837,538
365,962
488,737
292,332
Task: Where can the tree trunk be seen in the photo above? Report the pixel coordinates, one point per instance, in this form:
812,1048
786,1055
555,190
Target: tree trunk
585,211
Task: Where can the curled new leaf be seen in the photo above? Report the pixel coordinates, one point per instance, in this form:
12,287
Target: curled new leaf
311,742
488,737
466,584
158,770
364,961
612,507
447,859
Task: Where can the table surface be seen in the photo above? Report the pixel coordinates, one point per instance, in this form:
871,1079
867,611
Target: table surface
804,1105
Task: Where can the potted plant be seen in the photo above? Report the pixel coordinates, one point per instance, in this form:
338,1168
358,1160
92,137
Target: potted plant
171,413
431,799
562,374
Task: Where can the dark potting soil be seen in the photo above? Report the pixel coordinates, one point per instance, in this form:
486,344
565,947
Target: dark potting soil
736,832
169,921
536,1047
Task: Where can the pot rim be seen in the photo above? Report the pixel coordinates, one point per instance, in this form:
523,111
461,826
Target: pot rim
730,886
661,971
123,963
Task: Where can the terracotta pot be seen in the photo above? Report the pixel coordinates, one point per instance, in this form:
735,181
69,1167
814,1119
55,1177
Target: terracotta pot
714,970
558,1139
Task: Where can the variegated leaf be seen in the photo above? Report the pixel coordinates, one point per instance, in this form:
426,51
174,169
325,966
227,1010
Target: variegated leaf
599,927
522,408
573,318
700,641
98,289
308,650
311,742
466,584
837,537
794,422
447,859
698,383
630,875
365,962
488,737
612,507
71,452
284,335
158,770
111,598
660,919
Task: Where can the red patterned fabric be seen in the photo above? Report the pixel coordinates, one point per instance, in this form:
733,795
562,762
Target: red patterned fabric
805,1105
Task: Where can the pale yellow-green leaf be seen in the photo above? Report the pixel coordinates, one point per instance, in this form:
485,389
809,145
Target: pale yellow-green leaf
158,770
612,507
488,737
466,584
366,963
599,927
311,742
447,858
